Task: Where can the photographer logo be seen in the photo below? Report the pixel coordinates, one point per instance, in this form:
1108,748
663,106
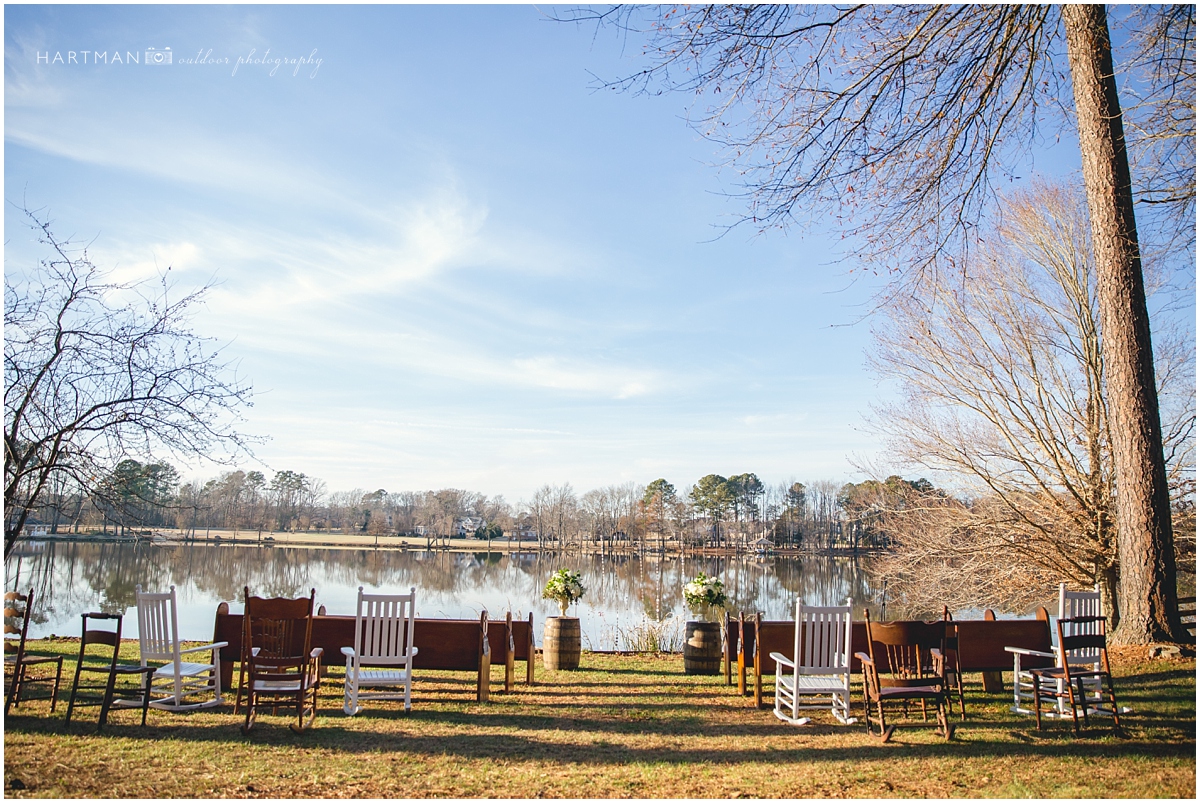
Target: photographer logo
158,56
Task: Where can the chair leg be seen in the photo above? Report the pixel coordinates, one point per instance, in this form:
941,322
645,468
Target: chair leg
1112,699
885,732
1037,700
106,701
149,677
71,701
250,710
943,712
57,680
237,702
1071,702
13,689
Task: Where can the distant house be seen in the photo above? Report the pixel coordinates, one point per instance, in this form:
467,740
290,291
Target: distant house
35,529
467,525
523,534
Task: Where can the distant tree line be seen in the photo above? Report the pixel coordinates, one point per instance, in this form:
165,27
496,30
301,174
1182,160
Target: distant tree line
738,512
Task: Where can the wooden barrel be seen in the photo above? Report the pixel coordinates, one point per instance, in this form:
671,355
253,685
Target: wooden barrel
702,648
560,643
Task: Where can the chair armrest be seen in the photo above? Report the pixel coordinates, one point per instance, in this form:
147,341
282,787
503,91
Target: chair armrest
870,675
1024,651
348,652
205,647
413,651
780,658
317,652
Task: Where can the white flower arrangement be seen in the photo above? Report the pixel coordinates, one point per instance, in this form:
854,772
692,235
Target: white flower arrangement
704,593
564,587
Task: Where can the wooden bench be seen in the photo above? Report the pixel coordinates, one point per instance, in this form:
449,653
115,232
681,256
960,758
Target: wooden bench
442,644
1187,614
981,646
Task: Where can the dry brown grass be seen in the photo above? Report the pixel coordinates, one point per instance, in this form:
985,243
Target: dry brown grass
622,726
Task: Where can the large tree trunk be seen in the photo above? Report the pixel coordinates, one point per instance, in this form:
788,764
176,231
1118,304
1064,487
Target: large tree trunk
1146,589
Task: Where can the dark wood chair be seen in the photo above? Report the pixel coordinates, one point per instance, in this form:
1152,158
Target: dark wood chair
102,663
950,651
280,667
17,662
904,664
1066,682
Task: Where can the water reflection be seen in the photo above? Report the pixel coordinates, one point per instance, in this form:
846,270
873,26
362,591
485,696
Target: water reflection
624,592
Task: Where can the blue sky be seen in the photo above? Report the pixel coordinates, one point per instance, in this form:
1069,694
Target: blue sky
444,258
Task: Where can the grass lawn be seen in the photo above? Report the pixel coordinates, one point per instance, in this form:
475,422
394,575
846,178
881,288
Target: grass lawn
621,726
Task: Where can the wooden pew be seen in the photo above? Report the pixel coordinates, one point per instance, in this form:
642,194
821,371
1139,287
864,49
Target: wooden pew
981,646
442,644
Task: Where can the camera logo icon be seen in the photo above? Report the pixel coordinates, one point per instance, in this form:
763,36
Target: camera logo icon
154,56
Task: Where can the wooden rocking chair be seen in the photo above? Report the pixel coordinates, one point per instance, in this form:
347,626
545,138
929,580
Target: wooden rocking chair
905,664
280,667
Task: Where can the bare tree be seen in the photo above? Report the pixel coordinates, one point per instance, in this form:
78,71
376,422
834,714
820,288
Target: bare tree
1002,381
898,119
89,380
1161,119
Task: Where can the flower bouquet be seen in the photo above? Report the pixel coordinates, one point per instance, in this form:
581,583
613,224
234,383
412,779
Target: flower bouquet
704,594
564,587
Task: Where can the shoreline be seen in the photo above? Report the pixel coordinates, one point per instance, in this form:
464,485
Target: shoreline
404,543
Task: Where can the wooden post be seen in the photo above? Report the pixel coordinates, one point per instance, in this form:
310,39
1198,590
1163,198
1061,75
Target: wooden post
726,646
532,656
484,683
741,653
510,653
226,667
758,694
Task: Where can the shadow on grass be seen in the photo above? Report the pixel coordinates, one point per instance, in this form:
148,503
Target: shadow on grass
599,716
538,737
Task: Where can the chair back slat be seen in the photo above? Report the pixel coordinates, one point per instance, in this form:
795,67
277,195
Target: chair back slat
1083,641
384,627
905,646
157,625
822,639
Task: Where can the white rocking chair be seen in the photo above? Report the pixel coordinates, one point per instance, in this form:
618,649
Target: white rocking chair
820,667
177,680
383,634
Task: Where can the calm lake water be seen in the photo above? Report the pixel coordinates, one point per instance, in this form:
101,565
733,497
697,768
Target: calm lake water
626,594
